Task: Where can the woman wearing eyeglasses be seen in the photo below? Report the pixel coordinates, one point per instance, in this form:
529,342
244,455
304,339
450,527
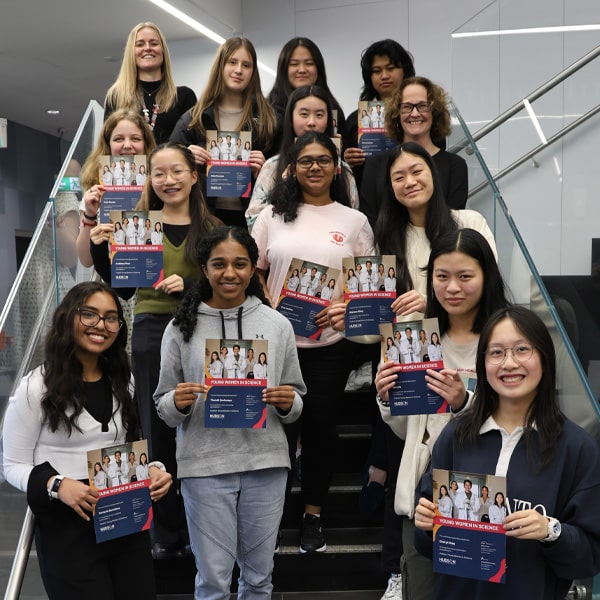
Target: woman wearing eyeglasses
80,399
515,429
173,188
417,112
311,219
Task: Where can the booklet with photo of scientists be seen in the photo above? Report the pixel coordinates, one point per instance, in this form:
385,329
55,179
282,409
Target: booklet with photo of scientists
136,248
369,290
228,172
372,138
120,475
468,536
236,372
124,178
415,345
309,287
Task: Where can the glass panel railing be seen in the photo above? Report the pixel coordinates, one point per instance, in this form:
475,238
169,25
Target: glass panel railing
50,266
576,396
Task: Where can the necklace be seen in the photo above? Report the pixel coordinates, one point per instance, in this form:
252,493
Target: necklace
146,112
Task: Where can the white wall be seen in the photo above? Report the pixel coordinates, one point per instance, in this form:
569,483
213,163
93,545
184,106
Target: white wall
553,204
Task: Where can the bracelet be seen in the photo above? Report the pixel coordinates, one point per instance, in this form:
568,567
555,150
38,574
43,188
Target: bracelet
84,223
380,400
53,488
94,218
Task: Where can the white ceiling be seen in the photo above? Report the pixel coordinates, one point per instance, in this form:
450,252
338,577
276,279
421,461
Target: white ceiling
60,54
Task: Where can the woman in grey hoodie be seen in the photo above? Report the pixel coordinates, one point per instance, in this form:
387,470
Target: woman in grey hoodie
232,479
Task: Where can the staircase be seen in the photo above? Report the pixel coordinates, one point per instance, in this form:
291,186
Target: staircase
350,567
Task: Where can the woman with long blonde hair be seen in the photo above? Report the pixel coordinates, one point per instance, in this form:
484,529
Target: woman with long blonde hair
145,82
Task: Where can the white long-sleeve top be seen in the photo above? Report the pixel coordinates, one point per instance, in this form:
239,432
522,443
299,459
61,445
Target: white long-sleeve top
29,442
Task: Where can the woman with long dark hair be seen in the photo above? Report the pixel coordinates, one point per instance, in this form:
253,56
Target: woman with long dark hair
514,428
305,206
80,399
232,479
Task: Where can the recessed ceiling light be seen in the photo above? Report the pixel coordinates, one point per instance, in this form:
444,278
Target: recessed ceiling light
53,111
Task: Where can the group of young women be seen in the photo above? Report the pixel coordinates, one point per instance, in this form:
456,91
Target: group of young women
221,282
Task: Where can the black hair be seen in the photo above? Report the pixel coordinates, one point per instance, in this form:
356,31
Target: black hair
391,227
201,219
544,420
65,395
287,194
397,55
186,315
281,90
288,137
494,295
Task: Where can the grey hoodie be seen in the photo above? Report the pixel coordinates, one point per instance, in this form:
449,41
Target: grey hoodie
205,451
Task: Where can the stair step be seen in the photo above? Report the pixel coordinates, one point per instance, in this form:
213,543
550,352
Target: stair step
348,540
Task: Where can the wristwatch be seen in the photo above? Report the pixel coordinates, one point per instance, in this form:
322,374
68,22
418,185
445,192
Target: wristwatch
554,530
53,489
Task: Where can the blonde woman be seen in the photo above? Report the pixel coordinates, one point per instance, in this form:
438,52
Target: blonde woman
145,82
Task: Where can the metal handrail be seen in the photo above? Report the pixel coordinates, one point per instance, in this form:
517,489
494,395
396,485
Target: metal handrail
557,136
513,110
17,571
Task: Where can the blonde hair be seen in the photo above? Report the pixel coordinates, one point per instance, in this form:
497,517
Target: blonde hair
264,127
90,171
125,92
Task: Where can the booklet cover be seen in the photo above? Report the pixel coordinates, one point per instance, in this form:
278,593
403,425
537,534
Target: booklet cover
371,128
309,287
120,474
124,178
236,371
468,535
415,345
369,290
136,248
228,172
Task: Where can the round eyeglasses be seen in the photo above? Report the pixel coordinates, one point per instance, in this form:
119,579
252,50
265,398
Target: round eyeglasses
159,177
520,353
90,318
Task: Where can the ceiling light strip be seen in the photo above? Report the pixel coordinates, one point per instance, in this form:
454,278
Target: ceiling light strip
196,25
526,30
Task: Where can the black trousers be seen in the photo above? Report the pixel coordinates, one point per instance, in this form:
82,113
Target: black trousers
74,566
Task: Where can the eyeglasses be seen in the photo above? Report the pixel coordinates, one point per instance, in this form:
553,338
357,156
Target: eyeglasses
422,107
177,175
89,318
520,353
306,162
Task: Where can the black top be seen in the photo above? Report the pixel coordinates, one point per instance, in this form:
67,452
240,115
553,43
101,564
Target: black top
165,121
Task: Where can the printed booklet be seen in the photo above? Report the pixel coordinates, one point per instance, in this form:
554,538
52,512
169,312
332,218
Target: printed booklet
228,172
309,287
124,178
416,346
236,372
369,290
468,535
136,248
120,475
371,128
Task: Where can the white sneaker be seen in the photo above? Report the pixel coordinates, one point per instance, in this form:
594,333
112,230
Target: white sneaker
394,588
